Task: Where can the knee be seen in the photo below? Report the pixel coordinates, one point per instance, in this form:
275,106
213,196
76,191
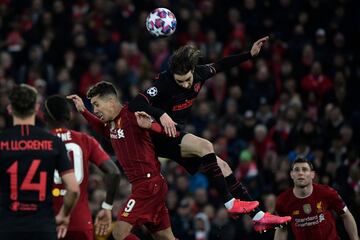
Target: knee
205,147
119,235
224,166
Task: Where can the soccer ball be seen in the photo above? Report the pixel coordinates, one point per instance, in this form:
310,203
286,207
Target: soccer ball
161,22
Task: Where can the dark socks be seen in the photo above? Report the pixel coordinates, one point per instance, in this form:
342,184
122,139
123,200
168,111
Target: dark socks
239,191
212,170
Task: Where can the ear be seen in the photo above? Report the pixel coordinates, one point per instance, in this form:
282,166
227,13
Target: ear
37,107
292,175
9,109
312,174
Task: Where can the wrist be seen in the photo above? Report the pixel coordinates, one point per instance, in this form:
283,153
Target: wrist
106,206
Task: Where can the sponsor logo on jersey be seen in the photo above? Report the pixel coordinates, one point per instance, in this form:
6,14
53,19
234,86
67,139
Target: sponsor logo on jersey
307,208
117,133
125,214
18,206
182,106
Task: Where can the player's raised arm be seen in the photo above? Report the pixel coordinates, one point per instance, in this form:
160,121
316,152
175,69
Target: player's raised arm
94,121
141,103
234,60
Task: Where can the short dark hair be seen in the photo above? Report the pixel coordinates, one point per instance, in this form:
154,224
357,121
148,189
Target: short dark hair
101,89
184,59
302,160
57,109
23,100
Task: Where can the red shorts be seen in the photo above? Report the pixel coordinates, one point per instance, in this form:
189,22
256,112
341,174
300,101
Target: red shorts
79,235
146,205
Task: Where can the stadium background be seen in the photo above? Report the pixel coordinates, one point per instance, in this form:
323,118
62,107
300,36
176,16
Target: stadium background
299,96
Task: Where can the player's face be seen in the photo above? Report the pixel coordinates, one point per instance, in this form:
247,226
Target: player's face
103,108
186,80
302,175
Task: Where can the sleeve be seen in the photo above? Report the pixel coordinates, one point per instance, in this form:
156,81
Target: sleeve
152,96
334,200
231,61
97,153
95,123
62,163
205,72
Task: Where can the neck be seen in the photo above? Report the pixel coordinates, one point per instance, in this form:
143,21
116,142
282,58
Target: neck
303,192
24,121
117,110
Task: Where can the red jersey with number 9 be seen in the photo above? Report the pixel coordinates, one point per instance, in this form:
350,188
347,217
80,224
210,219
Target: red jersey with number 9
82,149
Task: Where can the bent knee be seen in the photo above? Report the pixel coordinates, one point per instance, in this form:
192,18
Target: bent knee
205,147
224,166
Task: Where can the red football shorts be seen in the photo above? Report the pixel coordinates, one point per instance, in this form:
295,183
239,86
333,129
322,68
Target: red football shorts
146,204
80,235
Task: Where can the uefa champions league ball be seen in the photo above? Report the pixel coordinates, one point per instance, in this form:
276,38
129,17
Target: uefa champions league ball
161,22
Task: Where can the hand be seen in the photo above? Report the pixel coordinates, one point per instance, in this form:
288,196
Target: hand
168,124
62,223
143,119
103,222
257,46
79,104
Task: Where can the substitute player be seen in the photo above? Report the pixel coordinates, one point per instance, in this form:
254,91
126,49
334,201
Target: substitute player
135,153
169,100
28,159
82,150
310,206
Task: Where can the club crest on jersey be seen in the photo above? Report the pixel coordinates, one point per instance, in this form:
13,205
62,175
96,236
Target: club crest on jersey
152,91
307,208
197,87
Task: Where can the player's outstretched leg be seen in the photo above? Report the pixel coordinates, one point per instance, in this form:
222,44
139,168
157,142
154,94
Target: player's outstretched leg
192,145
262,221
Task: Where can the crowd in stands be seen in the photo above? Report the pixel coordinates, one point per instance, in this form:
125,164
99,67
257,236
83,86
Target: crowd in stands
299,97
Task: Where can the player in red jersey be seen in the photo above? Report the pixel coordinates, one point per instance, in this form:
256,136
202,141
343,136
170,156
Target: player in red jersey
310,207
29,156
82,150
134,150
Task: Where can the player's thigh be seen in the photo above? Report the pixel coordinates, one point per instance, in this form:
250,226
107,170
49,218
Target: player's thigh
160,222
80,235
165,234
167,147
194,146
28,236
121,230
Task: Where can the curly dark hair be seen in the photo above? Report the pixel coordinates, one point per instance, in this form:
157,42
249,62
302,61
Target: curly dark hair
56,110
101,89
184,59
23,99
